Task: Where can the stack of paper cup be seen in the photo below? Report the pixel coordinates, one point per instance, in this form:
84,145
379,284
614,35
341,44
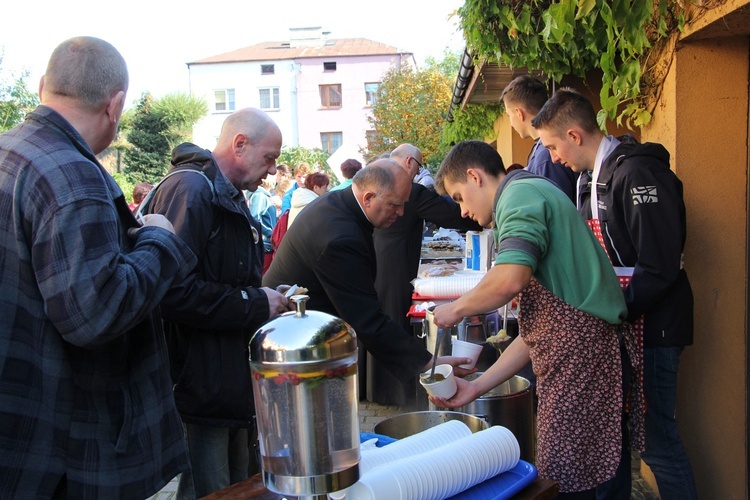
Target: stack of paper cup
448,286
422,442
442,472
463,349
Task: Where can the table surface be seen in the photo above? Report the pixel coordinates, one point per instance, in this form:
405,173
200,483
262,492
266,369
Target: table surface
540,489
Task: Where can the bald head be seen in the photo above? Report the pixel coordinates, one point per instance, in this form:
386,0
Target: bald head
247,149
251,122
382,188
405,155
86,70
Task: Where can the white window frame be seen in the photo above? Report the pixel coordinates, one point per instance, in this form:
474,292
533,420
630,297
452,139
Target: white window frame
229,102
274,98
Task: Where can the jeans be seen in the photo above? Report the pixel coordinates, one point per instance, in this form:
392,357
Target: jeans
664,453
219,456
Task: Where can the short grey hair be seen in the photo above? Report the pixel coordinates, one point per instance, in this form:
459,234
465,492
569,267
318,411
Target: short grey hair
378,175
87,70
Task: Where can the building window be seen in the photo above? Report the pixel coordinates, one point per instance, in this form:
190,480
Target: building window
330,96
269,98
329,66
224,100
371,93
266,69
331,141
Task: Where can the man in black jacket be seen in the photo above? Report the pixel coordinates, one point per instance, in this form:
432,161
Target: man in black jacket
637,201
329,250
397,249
211,315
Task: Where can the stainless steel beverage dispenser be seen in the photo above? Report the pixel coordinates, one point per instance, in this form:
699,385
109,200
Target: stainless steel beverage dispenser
304,369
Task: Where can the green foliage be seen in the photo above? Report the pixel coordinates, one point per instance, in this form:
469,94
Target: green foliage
147,158
570,37
411,108
474,122
15,99
179,112
315,157
153,129
448,65
125,184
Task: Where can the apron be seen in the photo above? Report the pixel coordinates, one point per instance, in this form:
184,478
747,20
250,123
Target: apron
633,338
576,357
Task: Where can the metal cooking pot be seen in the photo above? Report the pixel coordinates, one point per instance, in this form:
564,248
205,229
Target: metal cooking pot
411,423
510,404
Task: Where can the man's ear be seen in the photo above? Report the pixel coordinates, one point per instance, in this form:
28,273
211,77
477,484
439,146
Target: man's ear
368,197
475,175
520,113
239,143
115,107
575,136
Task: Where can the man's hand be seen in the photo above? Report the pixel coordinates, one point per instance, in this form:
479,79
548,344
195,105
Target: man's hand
155,220
277,303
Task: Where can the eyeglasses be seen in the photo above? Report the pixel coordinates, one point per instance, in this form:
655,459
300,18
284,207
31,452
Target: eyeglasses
420,165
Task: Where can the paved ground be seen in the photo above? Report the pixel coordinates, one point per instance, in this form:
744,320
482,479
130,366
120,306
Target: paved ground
372,413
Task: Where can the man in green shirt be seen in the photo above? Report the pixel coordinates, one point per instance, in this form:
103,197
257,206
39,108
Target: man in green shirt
571,310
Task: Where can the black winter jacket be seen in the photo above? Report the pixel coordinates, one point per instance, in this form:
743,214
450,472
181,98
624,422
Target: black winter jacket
210,317
644,226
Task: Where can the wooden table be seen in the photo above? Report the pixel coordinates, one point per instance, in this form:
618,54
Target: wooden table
540,489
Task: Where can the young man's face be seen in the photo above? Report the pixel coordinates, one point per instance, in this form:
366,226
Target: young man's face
564,149
472,199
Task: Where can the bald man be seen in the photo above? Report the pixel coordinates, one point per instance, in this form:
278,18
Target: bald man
85,394
211,315
397,249
329,250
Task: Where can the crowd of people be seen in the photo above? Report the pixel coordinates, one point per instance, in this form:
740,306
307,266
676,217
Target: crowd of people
124,339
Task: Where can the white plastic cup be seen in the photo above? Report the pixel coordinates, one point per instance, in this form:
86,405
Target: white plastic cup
463,349
445,388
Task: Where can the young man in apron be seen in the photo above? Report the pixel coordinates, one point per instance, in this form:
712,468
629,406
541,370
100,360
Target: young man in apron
629,195
570,321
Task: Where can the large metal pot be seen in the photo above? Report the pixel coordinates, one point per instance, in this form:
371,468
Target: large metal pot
408,424
511,404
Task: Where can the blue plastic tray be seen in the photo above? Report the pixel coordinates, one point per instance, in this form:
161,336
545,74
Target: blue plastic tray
503,485
500,487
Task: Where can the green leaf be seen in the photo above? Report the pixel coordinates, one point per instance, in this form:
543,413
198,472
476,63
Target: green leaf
584,7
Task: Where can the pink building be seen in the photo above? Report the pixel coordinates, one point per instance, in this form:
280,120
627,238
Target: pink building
318,90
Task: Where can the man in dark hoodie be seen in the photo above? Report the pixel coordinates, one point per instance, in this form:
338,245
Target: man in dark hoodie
637,205
211,315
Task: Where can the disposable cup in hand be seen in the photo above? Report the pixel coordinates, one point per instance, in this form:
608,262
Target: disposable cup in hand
444,385
464,349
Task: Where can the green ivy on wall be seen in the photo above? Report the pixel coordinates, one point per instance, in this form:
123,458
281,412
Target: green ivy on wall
571,37
473,122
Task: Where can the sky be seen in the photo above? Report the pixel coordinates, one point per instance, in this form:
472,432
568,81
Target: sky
158,37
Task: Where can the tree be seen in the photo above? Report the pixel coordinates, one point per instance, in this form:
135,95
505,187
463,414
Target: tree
411,108
179,112
147,157
15,99
316,158
154,129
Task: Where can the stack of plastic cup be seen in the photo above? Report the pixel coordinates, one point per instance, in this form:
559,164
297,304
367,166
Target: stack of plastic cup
425,441
442,472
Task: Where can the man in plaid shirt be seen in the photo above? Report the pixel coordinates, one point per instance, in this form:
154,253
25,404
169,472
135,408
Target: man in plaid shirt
86,405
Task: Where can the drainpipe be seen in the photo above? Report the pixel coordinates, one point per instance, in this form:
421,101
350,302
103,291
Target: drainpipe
465,73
